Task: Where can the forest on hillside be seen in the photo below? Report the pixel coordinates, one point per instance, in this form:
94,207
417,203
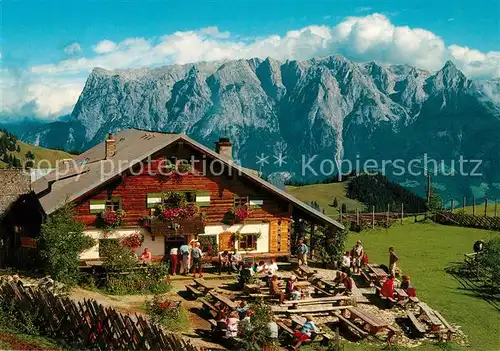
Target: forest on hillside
8,147
379,191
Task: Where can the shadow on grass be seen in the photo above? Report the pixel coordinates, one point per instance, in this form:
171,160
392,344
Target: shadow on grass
472,286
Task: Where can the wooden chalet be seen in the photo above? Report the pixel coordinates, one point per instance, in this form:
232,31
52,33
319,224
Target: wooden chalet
129,172
20,219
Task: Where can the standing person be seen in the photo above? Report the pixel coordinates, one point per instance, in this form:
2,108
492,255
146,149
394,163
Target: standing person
184,252
393,259
302,251
357,255
306,332
275,289
196,253
224,261
174,256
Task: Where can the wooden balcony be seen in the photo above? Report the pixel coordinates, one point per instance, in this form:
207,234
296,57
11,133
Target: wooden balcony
180,227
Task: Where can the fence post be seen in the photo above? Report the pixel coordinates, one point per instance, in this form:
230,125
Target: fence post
496,203
340,212
373,216
474,206
387,213
402,212
464,203
486,207
452,205
357,216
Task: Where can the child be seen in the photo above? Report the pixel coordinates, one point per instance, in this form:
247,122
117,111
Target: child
305,333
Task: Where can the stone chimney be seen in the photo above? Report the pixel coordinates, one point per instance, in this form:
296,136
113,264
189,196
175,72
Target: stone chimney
110,146
224,147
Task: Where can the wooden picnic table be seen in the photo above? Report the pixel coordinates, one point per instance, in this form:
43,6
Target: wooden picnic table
401,294
379,272
376,324
203,284
428,313
224,300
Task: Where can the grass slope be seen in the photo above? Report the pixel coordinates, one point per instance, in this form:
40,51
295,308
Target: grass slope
324,194
425,250
51,156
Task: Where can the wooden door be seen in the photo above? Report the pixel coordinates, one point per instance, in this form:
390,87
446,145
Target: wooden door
225,241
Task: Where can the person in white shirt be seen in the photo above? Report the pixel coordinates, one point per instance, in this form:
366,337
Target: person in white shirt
346,262
273,267
261,267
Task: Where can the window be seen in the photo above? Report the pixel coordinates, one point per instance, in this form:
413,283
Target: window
113,204
240,201
107,244
173,201
248,242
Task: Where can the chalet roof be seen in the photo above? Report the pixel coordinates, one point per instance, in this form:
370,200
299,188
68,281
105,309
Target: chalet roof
91,169
15,182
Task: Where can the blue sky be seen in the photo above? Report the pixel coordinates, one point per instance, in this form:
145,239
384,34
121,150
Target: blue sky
49,47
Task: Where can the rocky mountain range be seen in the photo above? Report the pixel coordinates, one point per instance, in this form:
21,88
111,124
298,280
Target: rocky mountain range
330,107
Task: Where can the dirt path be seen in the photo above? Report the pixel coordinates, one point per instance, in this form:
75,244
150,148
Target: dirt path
132,304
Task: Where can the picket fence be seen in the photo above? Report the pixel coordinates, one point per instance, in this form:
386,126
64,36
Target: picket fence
468,220
87,324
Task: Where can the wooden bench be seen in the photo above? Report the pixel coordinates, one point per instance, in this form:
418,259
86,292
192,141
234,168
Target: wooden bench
318,289
285,328
450,328
367,277
351,325
315,301
193,291
375,323
429,313
224,300
309,309
208,307
419,327
414,299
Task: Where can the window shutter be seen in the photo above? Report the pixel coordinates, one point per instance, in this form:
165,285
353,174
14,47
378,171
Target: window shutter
203,199
225,241
154,199
97,206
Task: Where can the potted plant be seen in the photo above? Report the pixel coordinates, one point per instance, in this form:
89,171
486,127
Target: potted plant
110,219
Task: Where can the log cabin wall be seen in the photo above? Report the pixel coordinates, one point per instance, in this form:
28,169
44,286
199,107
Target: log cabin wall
133,189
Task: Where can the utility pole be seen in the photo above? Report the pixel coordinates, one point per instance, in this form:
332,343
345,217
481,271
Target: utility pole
428,189
486,207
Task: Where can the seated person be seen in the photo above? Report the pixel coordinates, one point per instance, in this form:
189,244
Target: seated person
232,325
224,261
306,332
242,309
245,275
388,287
236,261
261,267
407,286
275,290
295,294
290,284
146,255
344,278
273,267
268,278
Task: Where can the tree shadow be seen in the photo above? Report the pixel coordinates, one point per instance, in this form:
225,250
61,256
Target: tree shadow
472,286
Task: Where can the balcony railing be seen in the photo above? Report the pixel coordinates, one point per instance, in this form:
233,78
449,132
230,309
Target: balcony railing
179,227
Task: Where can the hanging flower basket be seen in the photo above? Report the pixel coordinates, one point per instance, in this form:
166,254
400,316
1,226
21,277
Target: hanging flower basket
111,219
133,241
241,213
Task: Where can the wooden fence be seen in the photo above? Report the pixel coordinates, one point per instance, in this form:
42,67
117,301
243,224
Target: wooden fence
468,220
88,324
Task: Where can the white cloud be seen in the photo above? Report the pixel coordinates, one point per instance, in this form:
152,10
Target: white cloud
51,89
73,49
104,47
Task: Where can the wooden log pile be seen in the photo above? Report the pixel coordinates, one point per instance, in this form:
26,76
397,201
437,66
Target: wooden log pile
88,324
